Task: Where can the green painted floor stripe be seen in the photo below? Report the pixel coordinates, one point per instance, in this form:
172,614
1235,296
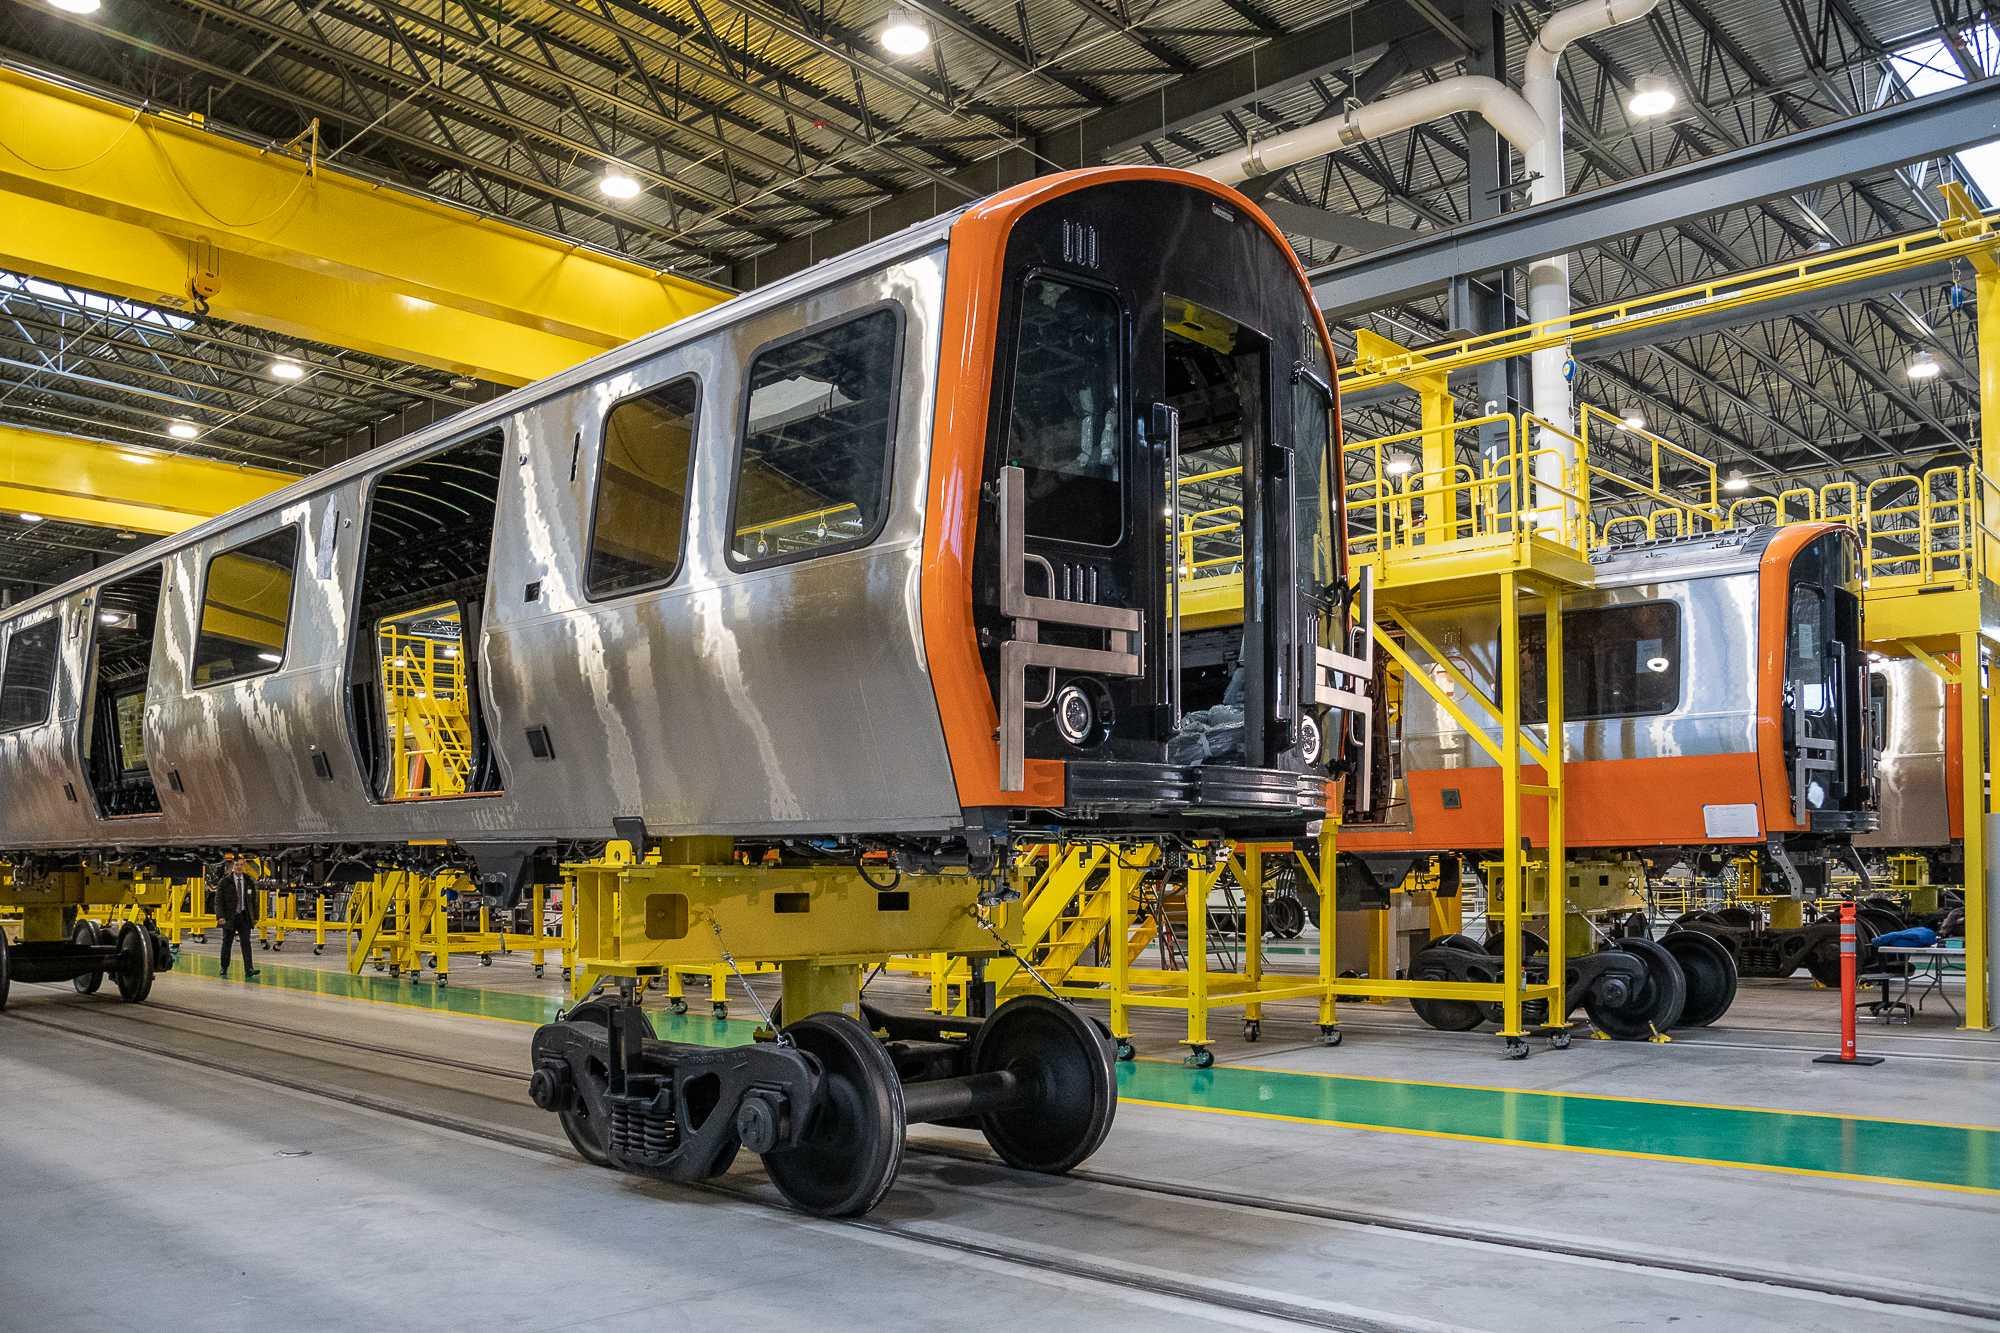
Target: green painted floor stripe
1955,1157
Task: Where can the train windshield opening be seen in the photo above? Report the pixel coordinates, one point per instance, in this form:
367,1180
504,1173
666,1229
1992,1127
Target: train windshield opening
1065,425
113,720
419,730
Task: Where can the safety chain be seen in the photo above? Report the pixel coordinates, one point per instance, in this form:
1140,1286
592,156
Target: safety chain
782,1038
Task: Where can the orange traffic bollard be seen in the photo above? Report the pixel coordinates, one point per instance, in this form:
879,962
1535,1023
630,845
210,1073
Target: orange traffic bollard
1848,997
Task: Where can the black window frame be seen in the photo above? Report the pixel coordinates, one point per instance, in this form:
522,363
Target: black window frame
54,623
687,499
744,565
1680,666
1126,353
291,608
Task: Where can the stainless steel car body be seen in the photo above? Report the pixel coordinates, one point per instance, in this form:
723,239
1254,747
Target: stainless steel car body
1910,766
782,700
1712,585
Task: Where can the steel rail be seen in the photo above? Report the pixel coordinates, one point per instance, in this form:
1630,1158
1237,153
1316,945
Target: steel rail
1481,1234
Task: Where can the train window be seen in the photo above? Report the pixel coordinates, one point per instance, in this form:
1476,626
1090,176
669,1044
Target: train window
1812,665
1065,425
818,432
1618,661
30,677
246,609
642,484
112,723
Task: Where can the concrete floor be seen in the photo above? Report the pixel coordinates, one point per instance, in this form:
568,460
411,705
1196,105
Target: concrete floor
142,1189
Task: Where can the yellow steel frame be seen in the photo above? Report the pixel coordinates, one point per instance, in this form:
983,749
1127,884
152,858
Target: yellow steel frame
161,209
1932,544
689,905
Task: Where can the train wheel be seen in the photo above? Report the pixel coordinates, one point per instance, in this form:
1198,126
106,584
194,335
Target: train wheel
1284,916
134,968
1446,1015
586,1120
84,935
1710,973
1823,963
1652,1006
853,1145
1465,942
1743,917
1064,1057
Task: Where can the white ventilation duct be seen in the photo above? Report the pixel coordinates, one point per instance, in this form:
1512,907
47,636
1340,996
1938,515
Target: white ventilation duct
1531,120
1500,106
1548,279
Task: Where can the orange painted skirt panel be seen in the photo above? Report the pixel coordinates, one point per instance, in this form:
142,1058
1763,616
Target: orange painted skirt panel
1612,803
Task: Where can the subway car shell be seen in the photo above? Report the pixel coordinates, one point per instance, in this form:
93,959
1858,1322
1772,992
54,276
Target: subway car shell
1714,765
844,694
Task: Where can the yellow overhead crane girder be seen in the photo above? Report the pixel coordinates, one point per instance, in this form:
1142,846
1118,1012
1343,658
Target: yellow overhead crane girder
157,208
109,486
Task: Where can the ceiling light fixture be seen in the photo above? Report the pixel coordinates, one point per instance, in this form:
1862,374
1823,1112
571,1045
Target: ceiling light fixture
1736,481
1650,97
284,368
1398,467
31,518
615,184
904,34
184,430
1635,422
76,6
1923,367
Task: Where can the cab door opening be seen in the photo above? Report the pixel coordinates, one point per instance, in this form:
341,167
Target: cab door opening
414,707
1216,382
113,720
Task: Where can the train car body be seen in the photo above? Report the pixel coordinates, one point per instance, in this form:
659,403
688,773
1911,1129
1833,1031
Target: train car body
1916,727
1715,695
751,576
779,625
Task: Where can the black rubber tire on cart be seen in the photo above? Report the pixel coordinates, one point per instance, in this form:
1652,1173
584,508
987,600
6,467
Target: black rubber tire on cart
1710,970
853,1144
1654,1006
1070,1064
133,970
85,934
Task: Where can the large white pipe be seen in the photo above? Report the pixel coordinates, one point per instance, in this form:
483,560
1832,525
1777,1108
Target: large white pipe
1532,121
1500,106
1548,279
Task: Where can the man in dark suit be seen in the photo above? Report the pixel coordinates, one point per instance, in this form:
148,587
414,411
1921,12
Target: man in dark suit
236,909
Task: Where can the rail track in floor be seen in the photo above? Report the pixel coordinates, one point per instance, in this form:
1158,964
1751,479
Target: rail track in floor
1858,1295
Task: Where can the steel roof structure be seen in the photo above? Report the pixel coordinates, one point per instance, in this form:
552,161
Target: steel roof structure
770,133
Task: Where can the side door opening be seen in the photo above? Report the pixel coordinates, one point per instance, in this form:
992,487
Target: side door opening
112,722
413,680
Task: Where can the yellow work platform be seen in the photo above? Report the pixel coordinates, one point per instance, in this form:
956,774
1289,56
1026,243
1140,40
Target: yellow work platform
1464,570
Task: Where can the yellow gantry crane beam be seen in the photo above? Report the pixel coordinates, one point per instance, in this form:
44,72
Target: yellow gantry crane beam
157,208
109,486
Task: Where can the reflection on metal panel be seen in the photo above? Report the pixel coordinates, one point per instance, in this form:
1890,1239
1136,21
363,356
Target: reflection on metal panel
1910,772
1716,710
